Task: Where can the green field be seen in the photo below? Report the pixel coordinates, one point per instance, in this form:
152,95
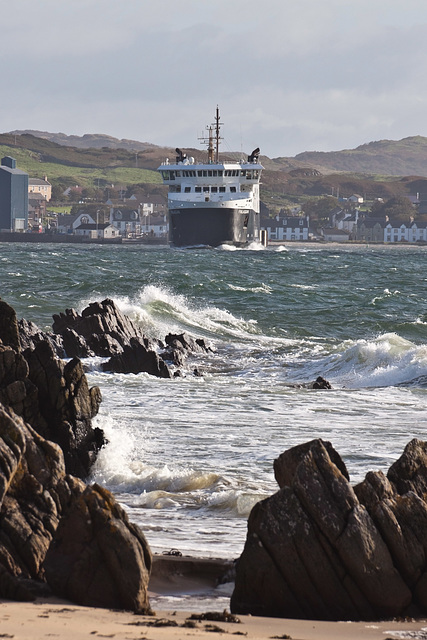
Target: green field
29,161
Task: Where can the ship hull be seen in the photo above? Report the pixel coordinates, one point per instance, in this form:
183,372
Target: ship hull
212,226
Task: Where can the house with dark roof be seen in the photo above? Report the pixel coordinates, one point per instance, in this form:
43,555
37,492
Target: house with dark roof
126,220
103,230
69,223
287,228
370,229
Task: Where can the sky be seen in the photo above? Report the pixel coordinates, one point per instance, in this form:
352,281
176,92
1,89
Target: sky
288,76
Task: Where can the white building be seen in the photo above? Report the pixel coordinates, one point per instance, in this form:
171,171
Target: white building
287,229
97,231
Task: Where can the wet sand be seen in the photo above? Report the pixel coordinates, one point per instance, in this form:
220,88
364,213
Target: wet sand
48,618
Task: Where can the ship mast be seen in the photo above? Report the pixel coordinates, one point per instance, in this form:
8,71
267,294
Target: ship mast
213,148
217,136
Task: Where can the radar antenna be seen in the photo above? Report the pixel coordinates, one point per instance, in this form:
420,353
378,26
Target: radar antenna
213,149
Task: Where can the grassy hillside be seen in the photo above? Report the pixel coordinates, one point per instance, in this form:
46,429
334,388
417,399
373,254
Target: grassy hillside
387,157
68,166
384,157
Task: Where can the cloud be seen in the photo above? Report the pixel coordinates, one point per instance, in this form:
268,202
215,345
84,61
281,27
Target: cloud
287,76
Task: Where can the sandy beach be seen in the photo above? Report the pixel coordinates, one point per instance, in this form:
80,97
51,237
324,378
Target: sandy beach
50,617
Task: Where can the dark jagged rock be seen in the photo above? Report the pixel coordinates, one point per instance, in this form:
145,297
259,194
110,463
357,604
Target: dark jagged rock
33,489
320,383
98,558
30,336
409,473
286,464
67,406
136,358
320,549
9,333
52,525
52,396
50,522
104,328
180,345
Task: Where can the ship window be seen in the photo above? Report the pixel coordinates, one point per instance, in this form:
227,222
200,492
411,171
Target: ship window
220,174
249,175
243,172
214,189
235,172
205,189
214,173
227,172
200,174
178,174
233,189
187,189
210,174
198,189
165,175
222,189
172,175
205,174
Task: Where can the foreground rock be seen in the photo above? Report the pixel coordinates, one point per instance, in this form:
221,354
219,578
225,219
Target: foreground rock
321,549
51,395
54,528
56,532
108,563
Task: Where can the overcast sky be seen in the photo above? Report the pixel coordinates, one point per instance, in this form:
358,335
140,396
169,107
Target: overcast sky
288,76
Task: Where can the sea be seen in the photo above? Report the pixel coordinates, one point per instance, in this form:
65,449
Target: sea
189,457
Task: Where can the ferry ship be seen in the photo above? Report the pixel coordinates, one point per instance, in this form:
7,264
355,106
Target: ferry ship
213,203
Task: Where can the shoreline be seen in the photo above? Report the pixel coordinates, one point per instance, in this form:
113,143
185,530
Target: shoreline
53,617
50,616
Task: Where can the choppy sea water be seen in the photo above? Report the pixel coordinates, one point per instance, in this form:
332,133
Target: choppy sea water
189,457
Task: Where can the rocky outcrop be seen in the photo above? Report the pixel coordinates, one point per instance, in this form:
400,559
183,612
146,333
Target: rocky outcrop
136,358
30,336
103,330
321,549
54,528
108,562
180,345
51,395
56,532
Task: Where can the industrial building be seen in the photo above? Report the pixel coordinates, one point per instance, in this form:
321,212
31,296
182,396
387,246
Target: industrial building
13,196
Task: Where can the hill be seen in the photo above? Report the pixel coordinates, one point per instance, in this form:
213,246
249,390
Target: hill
385,157
285,180
67,166
88,140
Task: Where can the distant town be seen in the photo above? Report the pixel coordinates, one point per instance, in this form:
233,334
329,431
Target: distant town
31,209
